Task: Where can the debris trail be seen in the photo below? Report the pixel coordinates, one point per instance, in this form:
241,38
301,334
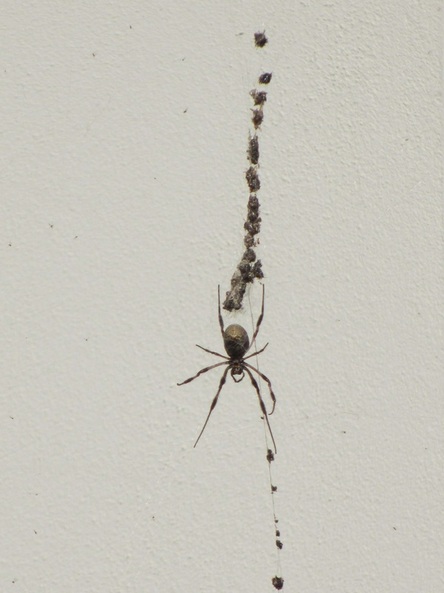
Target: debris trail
249,266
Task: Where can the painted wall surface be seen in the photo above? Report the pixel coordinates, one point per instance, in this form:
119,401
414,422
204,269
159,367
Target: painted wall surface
124,128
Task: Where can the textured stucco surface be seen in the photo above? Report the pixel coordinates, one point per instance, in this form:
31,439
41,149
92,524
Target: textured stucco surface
124,130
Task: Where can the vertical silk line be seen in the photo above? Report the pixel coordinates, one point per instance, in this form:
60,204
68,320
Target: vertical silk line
250,267
277,580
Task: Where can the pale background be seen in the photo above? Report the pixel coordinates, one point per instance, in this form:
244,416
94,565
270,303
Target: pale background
123,135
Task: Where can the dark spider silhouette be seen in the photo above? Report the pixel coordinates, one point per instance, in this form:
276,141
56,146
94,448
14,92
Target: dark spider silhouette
237,344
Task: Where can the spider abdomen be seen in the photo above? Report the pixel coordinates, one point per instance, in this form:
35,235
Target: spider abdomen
236,341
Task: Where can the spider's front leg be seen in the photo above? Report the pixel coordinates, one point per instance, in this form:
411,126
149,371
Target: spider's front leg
221,321
214,402
260,318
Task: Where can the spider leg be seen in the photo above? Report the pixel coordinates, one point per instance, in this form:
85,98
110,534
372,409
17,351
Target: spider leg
259,320
214,402
258,352
265,378
221,321
213,366
211,352
262,405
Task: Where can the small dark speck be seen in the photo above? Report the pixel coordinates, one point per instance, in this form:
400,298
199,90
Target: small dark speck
131,26
239,34
265,77
51,225
278,582
344,431
94,55
395,528
35,531
76,237
12,417
86,339
10,244
260,39
185,110
274,488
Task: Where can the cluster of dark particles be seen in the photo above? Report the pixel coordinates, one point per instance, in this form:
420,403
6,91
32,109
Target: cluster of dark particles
249,266
259,98
278,582
260,39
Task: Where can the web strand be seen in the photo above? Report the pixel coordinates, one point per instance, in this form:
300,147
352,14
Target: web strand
277,580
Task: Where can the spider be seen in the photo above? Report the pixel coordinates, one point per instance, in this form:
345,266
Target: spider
237,345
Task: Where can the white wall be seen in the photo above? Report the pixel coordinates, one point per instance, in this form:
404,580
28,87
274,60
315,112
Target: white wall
124,130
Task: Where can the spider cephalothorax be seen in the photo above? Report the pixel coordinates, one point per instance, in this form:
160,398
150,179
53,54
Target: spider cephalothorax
237,344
